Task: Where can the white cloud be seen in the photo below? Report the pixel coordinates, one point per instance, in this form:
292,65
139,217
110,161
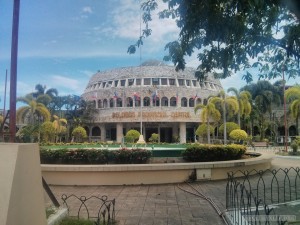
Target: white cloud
88,73
126,23
87,10
66,83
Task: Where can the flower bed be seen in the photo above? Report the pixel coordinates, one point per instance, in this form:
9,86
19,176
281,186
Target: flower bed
94,156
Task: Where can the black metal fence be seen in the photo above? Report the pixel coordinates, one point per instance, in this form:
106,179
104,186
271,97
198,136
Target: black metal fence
257,197
96,208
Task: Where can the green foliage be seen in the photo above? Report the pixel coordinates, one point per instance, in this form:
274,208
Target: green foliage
79,133
29,133
294,146
75,221
206,153
132,136
230,126
202,130
137,156
94,156
154,138
238,135
231,35
47,131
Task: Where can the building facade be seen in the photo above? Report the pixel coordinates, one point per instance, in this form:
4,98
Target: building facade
148,98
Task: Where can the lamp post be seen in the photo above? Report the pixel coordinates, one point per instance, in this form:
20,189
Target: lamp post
284,111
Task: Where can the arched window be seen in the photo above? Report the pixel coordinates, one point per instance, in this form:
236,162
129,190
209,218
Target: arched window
119,102
96,131
105,104
94,103
129,102
183,102
100,104
164,101
173,102
156,101
204,101
111,103
146,101
191,102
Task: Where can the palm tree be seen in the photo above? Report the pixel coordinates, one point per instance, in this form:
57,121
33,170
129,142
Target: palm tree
293,96
243,98
208,111
226,102
41,90
34,110
59,126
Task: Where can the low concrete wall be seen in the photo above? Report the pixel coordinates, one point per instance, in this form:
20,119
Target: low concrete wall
147,173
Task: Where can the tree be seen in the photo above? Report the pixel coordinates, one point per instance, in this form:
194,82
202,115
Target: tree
59,125
208,111
226,102
34,111
202,130
47,131
41,90
243,98
230,126
293,97
228,33
79,134
132,135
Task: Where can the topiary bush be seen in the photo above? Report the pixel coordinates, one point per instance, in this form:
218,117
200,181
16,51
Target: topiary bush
238,135
79,134
132,136
202,130
154,138
206,153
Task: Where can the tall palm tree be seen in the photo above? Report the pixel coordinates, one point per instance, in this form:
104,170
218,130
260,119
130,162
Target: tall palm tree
59,126
33,110
293,96
41,90
229,104
208,111
243,98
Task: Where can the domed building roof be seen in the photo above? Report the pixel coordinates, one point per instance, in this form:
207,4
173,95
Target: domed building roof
151,70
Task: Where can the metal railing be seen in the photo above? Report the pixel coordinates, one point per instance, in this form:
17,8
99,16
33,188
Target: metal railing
96,208
257,197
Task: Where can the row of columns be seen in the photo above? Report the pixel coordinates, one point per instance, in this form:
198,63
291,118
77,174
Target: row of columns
120,136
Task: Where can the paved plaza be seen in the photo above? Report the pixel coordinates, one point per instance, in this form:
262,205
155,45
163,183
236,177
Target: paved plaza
163,204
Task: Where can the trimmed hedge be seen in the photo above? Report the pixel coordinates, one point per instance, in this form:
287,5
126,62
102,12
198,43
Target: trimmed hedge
206,153
94,156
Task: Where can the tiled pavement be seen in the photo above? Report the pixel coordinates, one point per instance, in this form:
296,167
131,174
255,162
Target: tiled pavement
162,204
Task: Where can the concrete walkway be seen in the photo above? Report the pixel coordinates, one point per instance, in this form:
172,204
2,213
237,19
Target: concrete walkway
163,204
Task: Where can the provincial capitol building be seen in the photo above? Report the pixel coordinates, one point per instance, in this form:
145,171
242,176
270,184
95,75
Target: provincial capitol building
153,96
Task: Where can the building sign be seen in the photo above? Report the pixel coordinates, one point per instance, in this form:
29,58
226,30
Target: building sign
126,115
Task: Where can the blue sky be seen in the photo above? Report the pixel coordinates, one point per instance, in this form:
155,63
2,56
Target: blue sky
63,43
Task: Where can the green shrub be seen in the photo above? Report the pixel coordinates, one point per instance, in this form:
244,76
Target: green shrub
238,135
94,156
132,136
75,221
205,153
294,146
202,130
137,156
79,134
154,138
